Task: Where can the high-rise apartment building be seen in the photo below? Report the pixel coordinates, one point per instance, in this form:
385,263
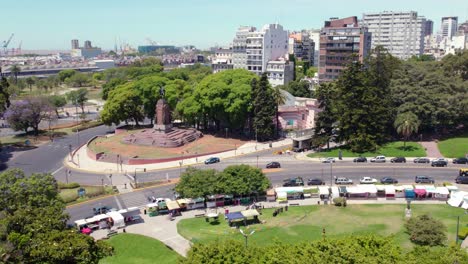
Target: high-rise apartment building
302,46
401,33
87,44
239,46
428,27
75,44
314,35
340,41
449,26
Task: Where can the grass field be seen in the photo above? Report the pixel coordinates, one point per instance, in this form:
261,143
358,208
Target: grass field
71,195
306,223
454,147
132,248
393,149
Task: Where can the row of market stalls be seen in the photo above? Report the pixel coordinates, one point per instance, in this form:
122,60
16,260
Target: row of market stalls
363,191
115,219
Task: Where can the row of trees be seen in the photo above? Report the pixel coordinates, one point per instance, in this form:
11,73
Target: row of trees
373,102
350,249
33,224
235,179
233,99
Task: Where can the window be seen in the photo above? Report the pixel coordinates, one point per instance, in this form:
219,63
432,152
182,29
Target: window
290,122
303,116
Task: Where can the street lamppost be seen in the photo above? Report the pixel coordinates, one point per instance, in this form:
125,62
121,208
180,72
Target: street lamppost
135,176
67,173
110,178
246,236
70,150
257,161
458,226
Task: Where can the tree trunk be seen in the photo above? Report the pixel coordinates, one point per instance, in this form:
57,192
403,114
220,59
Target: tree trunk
277,121
57,113
82,108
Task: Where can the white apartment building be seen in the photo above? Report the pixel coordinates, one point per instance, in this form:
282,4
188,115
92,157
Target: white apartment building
314,35
239,46
449,27
222,61
401,33
280,72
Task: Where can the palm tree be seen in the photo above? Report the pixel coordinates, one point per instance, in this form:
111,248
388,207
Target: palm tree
30,81
15,69
406,124
280,99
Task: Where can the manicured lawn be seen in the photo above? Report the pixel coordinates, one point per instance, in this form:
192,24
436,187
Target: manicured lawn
454,147
393,149
132,248
71,195
307,222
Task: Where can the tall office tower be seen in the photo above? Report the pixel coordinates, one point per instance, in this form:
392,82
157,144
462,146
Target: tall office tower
463,28
449,26
75,44
239,45
340,41
302,46
401,33
428,27
87,44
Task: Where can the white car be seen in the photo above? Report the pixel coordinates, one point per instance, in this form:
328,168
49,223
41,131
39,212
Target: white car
367,180
329,160
378,159
343,180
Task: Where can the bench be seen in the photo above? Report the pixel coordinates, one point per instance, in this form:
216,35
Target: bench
200,215
112,233
294,204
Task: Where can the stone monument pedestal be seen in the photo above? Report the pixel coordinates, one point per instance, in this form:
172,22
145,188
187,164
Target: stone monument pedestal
163,127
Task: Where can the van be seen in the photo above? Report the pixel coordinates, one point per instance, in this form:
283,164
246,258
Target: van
423,179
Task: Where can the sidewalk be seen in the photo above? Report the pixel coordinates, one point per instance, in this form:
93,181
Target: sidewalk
82,162
303,156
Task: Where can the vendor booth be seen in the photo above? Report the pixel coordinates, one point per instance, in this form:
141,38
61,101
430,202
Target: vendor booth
215,201
182,203
456,198
118,220
335,192
420,192
93,223
381,190
281,197
174,208
389,192
324,192
409,194
362,191
228,199
430,191
195,203
244,217
442,193
271,195
292,193
399,192
343,191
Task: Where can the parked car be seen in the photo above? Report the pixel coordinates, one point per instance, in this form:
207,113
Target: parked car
102,209
398,160
439,163
212,160
461,160
462,180
273,164
463,172
298,181
360,159
378,159
388,180
343,180
316,182
367,180
422,160
329,160
423,179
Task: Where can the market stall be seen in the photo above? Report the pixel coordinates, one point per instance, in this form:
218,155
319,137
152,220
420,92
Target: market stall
409,194
174,208
271,195
130,214
343,191
442,193
292,193
215,201
195,203
420,192
118,220
324,192
335,192
430,191
234,218
456,198
389,192
182,203
250,216
381,190
281,197
399,192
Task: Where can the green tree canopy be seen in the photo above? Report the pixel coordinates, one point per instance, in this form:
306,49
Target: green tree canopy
242,180
124,104
65,74
57,101
78,97
406,124
426,231
197,183
264,109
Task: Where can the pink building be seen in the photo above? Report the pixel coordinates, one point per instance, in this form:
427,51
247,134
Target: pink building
300,116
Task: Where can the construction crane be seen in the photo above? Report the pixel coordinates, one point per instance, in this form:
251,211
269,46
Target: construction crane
5,44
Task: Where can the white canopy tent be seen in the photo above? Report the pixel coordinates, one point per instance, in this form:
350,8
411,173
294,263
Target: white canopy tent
456,198
335,192
441,193
117,218
323,190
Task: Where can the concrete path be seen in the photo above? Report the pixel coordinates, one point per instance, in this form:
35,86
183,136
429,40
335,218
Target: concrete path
431,149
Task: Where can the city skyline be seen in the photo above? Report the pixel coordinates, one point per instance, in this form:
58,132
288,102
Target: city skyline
203,24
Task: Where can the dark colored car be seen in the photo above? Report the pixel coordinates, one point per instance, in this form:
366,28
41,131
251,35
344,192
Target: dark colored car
298,181
423,179
422,160
460,161
101,210
360,159
273,164
388,180
316,182
212,160
398,160
462,179
439,163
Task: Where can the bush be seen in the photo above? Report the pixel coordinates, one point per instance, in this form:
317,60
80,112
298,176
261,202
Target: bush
447,184
463,233
71,185
426,231
340,201
87,125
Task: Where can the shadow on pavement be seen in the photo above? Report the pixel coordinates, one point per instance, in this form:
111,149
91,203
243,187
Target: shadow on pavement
7,152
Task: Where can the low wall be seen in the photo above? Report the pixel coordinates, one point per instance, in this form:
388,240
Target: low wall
141,161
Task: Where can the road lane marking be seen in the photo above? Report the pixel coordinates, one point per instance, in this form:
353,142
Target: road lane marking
271,170
59,169
118,202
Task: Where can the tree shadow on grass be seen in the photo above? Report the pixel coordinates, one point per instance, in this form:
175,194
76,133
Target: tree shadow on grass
407,148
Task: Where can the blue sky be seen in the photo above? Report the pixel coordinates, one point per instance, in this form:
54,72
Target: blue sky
51,24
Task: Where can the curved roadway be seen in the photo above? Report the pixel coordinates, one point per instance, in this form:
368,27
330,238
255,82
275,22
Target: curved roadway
49,157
